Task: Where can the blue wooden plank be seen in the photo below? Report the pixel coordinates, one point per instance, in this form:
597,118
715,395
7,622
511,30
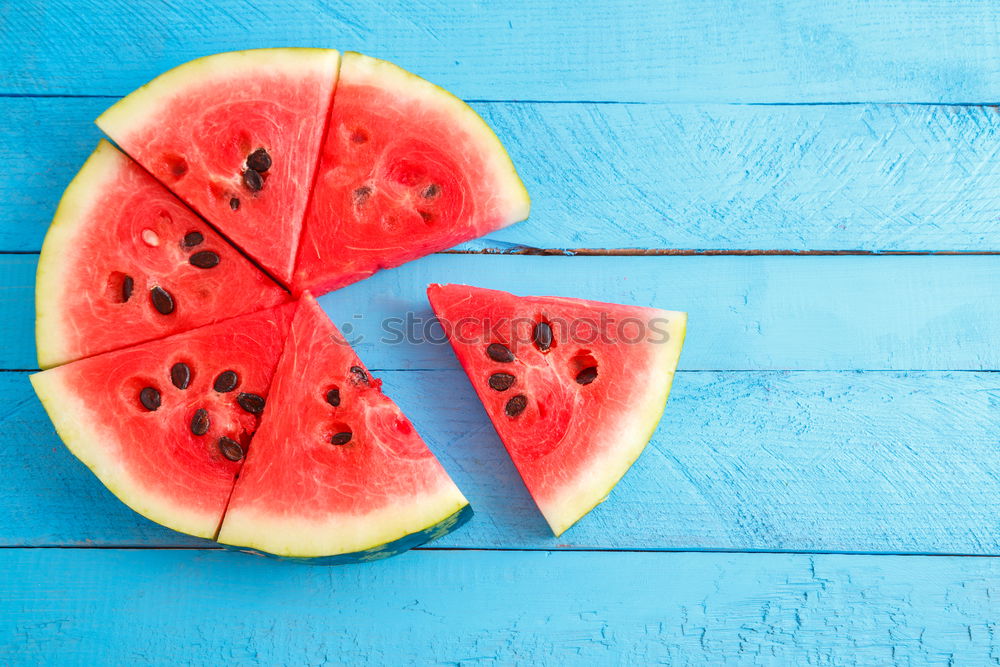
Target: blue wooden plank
804,461
868,177
823,313
680,50
189,607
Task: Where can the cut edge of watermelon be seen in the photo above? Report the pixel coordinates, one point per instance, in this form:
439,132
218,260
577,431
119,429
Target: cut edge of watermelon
593,485
377,534
70,215
509,184
68,415
134,109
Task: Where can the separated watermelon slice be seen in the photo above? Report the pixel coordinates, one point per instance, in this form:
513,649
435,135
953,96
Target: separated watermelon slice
125,261
406,169
336,470
165,424
236,136
574,388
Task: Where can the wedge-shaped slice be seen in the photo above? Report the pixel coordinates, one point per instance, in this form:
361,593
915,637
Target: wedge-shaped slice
574,388
165,424
336,470
236,136
125,261
407,169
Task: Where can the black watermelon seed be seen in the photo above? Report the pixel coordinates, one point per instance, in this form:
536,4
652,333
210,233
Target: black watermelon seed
252,403
226,381
425,216
333,397
150,398
259,161
200,422
180,375
234,203
127,286
587,375
253,180
206,259
359,374
361,194
543,336
499,353
501,381
162,301
341,438
516,405
231,449
431,191
191,239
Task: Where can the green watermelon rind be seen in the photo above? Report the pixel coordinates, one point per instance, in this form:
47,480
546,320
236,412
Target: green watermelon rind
509,183
50,279
306,539
88,442
436,531
628,451
133,109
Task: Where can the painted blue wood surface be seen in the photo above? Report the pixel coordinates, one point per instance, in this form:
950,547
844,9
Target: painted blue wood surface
493,608
803,461
629,124
619,50
746,313
655,176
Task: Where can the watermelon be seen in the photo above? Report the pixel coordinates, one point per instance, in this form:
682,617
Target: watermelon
236,136
125,261
336,470
165,424
406,169
574,388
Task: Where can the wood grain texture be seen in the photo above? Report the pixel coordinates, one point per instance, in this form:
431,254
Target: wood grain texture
680,50
803,461
746,313
65,607
836,177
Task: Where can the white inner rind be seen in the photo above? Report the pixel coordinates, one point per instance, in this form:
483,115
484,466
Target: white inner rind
335,534
595,481
99,448
50,283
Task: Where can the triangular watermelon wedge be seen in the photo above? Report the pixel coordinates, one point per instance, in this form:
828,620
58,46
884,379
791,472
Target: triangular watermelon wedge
406,169
336,470
125,261
235,135
574,388
165,424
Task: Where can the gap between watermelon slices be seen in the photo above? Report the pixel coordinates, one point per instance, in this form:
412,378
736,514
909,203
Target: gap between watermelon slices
574,388
236,135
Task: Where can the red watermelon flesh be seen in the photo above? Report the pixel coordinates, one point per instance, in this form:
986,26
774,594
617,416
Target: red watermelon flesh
335,468
118,239
406,169
236,136
574,388
132,415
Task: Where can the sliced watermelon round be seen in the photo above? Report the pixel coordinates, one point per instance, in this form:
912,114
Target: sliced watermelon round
336,470
574,388
125,261
165,424
236,136
406,169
